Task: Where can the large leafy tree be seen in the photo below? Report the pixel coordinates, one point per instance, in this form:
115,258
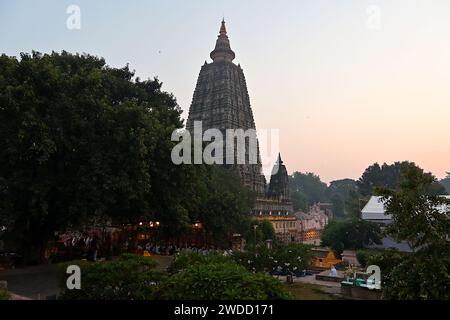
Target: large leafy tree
421,218
79,141
225,204
387,176
306,189
353,233
446,182
342,194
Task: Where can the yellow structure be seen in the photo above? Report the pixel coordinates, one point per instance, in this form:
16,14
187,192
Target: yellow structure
328,261
146,254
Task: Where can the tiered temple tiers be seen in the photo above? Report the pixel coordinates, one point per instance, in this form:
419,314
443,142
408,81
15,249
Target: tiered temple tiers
221,101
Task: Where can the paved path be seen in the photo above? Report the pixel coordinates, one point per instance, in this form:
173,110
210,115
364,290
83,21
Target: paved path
39,282
35,282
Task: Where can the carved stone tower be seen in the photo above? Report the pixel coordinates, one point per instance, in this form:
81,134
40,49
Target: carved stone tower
279,183
221,101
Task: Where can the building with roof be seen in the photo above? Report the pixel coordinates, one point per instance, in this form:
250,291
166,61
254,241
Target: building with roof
375,211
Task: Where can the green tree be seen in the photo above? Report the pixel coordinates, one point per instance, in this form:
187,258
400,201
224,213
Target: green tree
224,204
446,182
220,281
387,176
81,141
422,219
306,189
341,193
418,215
130,277
351,233
264,231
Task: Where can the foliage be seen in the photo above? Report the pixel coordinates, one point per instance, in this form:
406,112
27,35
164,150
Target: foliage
364,255
340,193
412,276
387,176
220,281
80,140
294,257
352,233
291,258
306,189
421,218
264,231
83,142
256,258
4,295
130,277
224,204
418,215
446,183
183,261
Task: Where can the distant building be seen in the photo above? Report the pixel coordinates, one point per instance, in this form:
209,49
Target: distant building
277,206
311,224
375,211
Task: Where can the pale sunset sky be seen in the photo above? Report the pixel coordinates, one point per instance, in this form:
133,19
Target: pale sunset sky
347,82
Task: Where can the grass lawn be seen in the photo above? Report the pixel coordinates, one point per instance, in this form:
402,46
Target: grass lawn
307,291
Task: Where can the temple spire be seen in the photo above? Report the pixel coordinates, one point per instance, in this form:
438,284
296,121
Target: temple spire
222,51
279,158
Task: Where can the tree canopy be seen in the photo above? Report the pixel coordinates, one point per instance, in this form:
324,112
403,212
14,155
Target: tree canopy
446,182
353,233
306,189
387,176
83,143
421,218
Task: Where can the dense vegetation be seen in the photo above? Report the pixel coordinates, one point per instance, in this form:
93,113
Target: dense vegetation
422,219
83,142
4,295
130,277
349,196
190,276
351,234
220,281
446,182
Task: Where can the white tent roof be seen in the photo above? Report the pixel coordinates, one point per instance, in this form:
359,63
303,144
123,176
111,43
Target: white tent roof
374,210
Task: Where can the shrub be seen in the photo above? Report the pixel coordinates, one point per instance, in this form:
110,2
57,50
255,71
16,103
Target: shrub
291,258
294,257
184,260
130,277
4,295
220,281
257,259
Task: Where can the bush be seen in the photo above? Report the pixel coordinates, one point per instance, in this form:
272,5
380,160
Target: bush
294,257
130,277
364,256
4,295
350,234
220,281
184,260
291,258
257,259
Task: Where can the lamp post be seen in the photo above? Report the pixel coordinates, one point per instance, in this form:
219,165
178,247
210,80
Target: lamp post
254,229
